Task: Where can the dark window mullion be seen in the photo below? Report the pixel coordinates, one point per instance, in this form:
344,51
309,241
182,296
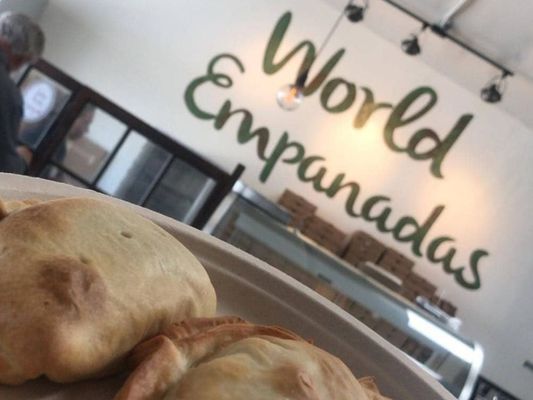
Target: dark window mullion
72,174
110,157
156,181
221,189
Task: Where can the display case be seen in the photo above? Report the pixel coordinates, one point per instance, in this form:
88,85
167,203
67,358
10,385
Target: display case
258,226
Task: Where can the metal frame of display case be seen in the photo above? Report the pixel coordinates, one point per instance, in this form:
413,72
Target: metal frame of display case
487,390
82,95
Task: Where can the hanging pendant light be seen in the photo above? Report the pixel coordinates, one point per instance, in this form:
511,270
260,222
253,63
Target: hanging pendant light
290,96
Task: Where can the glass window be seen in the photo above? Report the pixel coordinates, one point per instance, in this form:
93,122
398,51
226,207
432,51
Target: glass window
53,173
43,100
133,169
181,193
89,142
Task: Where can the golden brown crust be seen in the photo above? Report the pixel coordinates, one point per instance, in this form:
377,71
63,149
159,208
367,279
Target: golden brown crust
238,361
192,326
82,282
7,207
371,388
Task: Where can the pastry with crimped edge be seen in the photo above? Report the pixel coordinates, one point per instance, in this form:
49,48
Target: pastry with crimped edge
82,281
229,359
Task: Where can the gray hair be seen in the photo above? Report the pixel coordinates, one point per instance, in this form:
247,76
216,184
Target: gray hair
24,37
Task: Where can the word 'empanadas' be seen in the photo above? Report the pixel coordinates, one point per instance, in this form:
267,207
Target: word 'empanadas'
82,282
229,359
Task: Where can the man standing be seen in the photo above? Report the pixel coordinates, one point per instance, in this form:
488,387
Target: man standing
21,42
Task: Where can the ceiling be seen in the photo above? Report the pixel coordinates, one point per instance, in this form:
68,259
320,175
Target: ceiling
502,31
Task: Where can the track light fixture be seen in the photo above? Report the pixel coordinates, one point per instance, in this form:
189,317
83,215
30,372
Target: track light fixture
493,91
354,12
410,45
290,96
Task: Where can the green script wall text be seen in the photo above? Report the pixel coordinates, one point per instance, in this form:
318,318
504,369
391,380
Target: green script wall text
375,209
400,116
312,168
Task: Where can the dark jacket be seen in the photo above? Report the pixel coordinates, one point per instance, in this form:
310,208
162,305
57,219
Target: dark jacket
10,117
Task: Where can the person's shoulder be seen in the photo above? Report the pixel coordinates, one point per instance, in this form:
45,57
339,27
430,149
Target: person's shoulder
9,90
7,84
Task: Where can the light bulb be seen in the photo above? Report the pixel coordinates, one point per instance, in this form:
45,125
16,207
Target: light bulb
290,97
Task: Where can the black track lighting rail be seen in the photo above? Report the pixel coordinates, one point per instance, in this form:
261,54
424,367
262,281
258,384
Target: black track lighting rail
442,31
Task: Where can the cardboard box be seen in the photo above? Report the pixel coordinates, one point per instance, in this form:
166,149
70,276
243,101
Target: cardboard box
324,233
408,293
363,247
396,263
299,208
418,284
447,307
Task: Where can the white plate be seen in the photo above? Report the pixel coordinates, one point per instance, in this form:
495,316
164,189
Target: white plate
258,292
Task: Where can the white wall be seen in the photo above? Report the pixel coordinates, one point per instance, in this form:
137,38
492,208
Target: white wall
144,54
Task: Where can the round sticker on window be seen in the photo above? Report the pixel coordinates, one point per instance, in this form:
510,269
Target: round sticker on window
39,100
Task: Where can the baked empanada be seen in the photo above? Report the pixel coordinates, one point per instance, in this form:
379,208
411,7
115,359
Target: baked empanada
82,281
229,359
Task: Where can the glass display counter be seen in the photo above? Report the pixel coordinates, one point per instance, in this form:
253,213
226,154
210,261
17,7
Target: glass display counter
259,227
